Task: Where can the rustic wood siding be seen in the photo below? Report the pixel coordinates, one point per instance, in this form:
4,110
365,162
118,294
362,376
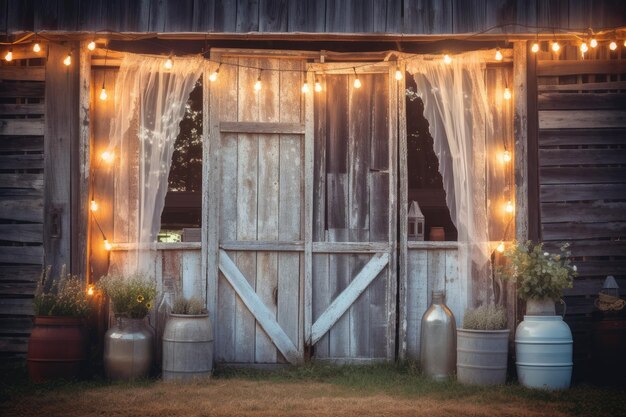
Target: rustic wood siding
582,166
276,16
22,122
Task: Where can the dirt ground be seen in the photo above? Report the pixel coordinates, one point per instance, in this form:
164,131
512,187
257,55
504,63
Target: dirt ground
241,397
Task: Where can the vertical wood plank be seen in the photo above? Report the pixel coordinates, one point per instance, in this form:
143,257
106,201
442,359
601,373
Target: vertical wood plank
223,201
80,249
268,203
520,128
247,16
417,298
306,16
225,13
60,150
454,295
191,274
339,278
291,196
247,199
395,94
321,293
273,16
402,212
309,138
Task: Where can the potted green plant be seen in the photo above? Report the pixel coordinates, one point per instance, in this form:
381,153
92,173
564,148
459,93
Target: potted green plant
483,346
543,341
128,345
57,347
187,341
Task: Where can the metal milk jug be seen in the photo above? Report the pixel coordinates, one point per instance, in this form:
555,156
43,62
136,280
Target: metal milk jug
438,339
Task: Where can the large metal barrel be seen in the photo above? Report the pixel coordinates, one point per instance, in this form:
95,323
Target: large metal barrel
482,356
187,347
57,348
543,347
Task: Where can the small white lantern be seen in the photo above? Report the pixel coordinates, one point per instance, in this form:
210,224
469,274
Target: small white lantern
415,222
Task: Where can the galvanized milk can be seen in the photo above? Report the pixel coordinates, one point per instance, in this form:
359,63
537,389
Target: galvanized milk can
438,339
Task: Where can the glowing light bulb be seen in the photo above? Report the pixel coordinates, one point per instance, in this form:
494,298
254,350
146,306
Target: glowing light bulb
555,46
357,83
583,47
107,156
305,88
506,156
103,94
593,42
624,43
168,64
398,74
613,45
93,206
447,59
257,84
9,56
213,76
508,207
535,47
500,247
68,60
36,47
498,55
107,245
318,86
90,290
507,94
92,45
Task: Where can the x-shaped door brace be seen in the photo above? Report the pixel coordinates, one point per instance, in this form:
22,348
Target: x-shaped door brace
325,321
342,303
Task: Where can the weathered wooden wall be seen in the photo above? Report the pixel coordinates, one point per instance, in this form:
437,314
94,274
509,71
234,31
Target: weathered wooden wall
279,16
581,154
22,110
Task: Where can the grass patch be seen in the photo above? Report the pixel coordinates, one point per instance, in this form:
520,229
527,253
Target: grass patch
245,391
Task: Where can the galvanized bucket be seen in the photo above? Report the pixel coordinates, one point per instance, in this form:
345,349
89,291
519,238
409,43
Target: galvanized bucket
187,347
482,356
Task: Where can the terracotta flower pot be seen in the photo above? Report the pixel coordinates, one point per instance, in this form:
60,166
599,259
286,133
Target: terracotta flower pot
57,348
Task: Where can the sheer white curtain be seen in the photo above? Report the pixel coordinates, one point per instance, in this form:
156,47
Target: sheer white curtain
457,109
149,105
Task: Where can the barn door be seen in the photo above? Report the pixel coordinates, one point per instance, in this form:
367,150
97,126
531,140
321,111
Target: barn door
254,209
352,281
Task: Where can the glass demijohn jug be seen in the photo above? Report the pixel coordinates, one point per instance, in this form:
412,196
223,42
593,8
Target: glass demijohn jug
438,339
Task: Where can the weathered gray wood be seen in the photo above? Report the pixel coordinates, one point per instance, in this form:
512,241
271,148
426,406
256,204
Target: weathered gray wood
520,129
81,198
309,210
596,211
591,247
432,245
581,175
263,315
583,101
21,273
574,231
28,161
22,73
338,281
590,86
260,245
21,143
223,154
34,181
561,157
577,192
594,137
22,109
16,325
25,233
427,16
25,89
61,138
28,209
575,119
283,128
26,254
593,66
403,222
342,303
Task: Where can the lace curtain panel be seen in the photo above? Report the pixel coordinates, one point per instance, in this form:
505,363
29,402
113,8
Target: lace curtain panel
149,105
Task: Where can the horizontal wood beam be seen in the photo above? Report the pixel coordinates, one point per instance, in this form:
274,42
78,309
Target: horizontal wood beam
581,175
262,128
582,101
564,157
22,109
20,73
24,233
593,137
343,301
611,85
32,255
592,66
26,209
580,119
431,245
161,246
22,127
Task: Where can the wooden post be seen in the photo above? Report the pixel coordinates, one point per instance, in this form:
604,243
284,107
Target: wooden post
403,201
61,160
309,137
80,250
520,130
